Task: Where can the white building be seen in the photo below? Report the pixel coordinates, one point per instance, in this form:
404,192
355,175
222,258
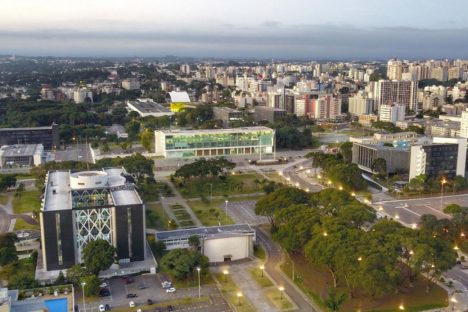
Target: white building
392,113
219,243
82,95
464,124
403,92
147,107
360,104
21,156
131,84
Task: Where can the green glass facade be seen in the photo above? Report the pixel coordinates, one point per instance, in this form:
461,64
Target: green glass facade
219,143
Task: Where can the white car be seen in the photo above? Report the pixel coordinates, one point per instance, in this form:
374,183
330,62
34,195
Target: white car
170,290
102,308
166,284
131,304
103,285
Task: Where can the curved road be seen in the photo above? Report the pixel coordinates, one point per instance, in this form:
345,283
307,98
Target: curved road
272,268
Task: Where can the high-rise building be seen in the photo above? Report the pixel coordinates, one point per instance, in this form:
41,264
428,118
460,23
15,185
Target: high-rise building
392,113
84,206
439,73
360,104
464,124
185,68
394,69
131,84
402,92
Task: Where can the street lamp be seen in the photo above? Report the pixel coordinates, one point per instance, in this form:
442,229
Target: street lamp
325,234
199,287
84,302
262,267
453,300
401,307
225,272
340,188
226,202
239,295
442,182
281,289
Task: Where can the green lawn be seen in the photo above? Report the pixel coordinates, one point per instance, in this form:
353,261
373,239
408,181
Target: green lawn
210,215
3,199
20,224
314,280
231,291
27,266
259,252
262,281
28,202
234,184
156,218
278,299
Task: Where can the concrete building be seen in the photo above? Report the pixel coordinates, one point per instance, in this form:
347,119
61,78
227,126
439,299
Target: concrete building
185,69
392,113
47,136
443,157
219,243
131,84
432,101
402,92
325,107
179,100
364,155
214,142
226,114
367,120
270,114
464,124
147,107
83,95
443,128
21,156
360,104
84,206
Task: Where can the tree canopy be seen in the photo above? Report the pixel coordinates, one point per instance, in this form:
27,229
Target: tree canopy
98,255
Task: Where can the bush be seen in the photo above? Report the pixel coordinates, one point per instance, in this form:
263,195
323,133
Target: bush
92,285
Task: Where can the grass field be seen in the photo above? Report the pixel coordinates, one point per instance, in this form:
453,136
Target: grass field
234,184
259,252
278,299
3,199
231,291
314,280
182,215
28,202
20,224
26,266
262,281
210,215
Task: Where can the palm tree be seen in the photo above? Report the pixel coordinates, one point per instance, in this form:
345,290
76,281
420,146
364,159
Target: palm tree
334,301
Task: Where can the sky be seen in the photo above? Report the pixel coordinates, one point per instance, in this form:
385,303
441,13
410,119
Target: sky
308,29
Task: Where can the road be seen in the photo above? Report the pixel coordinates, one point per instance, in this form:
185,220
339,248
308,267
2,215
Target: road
273,269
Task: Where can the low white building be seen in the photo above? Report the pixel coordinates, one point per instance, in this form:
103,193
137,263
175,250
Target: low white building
21,156
392,113
219,243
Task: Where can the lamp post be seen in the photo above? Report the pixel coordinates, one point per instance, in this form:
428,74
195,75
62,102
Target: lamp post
281,289
262,267
239,295
226,202
84,302
211,193
401,307
199,287
225,272
444,181
453,300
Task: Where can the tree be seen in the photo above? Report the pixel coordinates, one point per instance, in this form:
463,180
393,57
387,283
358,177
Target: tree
346,150
7,181
182,262
20,190
92,285
22,280
334,301
194,242
147,138
60,279
379,166
8,252
75,273
98,255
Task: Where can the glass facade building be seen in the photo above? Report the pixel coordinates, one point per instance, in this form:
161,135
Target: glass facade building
215,142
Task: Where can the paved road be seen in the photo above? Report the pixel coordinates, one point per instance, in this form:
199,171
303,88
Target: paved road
272,268
291,174
5,218
244,212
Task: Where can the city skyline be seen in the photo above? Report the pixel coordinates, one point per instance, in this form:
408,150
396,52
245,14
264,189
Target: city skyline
298,29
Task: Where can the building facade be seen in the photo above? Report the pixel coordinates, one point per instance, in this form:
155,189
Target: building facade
214,142
47,136
364,155
401,92
84,206
21,156
392,113
270,114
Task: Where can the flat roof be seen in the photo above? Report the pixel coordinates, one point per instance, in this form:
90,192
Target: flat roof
148,107
210,131
20,150
179,97
205,231
26,128
57,192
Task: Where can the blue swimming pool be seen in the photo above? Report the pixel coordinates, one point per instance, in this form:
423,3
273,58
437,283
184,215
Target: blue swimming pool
57,305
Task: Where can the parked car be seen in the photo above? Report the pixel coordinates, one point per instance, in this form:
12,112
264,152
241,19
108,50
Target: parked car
104,285
107,307
171,290
104,292
102,308
149,302
131,304
170,308
166,284
132,295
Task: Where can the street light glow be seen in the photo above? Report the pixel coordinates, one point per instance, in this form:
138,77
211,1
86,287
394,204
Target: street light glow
401,307
325,234
340,188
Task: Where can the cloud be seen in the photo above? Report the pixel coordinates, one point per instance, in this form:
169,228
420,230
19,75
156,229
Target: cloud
270,39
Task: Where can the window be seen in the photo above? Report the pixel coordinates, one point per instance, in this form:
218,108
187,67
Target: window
59,239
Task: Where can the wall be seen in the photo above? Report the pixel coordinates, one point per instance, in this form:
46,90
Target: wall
239,247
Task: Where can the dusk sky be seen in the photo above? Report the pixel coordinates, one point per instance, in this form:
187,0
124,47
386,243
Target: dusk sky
312,29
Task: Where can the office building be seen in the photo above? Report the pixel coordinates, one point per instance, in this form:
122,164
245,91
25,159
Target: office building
396,158
82,95
214,142
21,156
226,115
392,113
147,107
47,136
219,243
270,114
443,157
84,206
463,124
131,84
185,69
394,69
402,92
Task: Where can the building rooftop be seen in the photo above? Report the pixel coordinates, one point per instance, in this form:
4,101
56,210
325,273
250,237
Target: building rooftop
147,107
179,97
205,231
26,128
21,150
218,131
61,184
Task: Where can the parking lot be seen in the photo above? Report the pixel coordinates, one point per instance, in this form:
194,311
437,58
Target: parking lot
244,212
409,211
149,287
